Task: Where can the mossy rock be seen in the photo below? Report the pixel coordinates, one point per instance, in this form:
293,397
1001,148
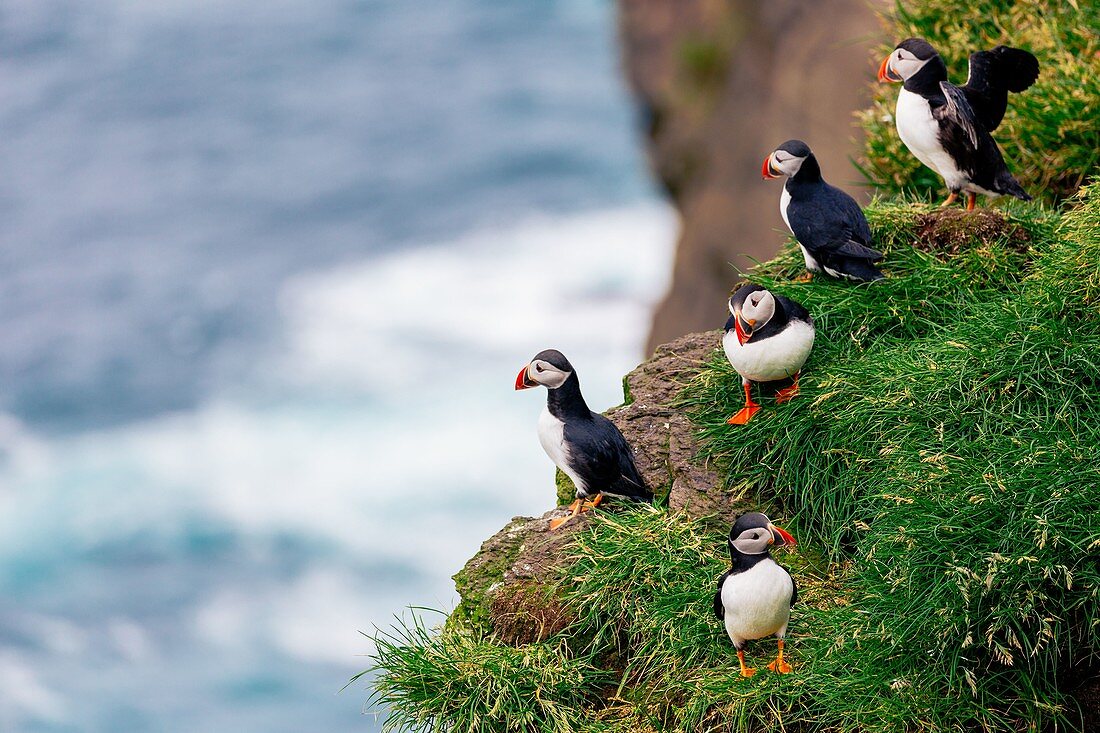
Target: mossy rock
566,489
485,571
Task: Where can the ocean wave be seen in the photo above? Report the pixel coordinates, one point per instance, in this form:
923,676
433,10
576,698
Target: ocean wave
373,450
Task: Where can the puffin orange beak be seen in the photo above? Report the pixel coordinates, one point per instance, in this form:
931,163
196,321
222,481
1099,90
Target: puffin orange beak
766,170
885,73
523,381
742,337
781,537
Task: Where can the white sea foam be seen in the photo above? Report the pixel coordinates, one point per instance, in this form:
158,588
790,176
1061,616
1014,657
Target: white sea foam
384,430
442,315
25,694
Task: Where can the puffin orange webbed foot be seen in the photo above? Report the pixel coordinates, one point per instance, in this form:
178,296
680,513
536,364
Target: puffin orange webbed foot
787,393
592,504
574,509
778,665
745,671
744,415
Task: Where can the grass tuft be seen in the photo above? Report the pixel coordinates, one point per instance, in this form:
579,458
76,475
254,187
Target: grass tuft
1070,276
451,680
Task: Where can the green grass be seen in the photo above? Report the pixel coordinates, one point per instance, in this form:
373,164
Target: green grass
941,472
456,681
1050,136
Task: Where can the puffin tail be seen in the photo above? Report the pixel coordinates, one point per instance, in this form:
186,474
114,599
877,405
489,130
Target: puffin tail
1010,186
631,484
862,270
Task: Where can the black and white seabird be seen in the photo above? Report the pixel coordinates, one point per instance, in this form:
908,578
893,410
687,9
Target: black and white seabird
948,128
585,445
768,338
755,595
828,223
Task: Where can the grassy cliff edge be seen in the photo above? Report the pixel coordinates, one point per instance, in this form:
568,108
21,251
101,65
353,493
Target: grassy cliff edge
941,472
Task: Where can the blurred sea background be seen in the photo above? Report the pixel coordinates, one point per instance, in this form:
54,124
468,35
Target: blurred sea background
268,272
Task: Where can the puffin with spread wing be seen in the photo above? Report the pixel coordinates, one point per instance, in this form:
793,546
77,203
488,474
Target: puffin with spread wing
949,128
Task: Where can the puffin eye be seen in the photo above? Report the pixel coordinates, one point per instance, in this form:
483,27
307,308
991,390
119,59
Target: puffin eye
538,368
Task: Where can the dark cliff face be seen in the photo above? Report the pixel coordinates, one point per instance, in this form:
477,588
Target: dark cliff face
719,85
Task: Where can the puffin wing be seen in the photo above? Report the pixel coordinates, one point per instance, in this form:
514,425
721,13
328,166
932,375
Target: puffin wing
610,460
956,116
719,609
832,223
794,311
993,74
794,585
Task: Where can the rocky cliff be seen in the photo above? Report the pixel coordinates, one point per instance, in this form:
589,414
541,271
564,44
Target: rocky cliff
720,84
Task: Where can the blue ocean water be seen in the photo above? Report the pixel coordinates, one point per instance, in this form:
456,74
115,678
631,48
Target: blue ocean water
267,272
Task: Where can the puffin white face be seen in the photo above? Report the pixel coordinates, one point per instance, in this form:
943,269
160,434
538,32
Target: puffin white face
758,309
900,65
546,374
753,541
753,534
782,162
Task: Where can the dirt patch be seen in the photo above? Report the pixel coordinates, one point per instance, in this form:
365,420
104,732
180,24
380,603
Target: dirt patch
522,556
525,613
950,231
1088,697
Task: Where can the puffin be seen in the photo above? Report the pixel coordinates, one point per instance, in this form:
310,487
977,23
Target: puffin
767,339
755,595
948,128
585,445
829,225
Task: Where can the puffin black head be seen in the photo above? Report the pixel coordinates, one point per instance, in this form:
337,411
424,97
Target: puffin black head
752,307
753,534
549,368
909,57
785,160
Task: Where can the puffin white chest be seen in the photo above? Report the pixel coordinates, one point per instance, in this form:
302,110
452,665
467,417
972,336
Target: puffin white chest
920,132
776,357
757,602
551,432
